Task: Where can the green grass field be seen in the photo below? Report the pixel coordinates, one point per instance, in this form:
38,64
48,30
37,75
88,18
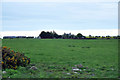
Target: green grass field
55,58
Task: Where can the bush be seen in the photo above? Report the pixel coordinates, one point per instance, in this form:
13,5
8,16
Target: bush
12,59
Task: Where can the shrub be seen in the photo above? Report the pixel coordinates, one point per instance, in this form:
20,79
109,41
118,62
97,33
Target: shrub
12,59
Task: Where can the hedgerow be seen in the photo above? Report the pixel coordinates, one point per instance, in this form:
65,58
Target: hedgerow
12,59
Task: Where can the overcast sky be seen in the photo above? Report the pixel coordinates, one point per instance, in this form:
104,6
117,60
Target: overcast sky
62,15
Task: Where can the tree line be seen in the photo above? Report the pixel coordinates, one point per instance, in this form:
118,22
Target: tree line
54,35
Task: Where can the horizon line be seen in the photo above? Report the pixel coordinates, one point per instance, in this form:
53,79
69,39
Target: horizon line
35,33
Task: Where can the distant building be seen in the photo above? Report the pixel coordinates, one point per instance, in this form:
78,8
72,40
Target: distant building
20,36
9,37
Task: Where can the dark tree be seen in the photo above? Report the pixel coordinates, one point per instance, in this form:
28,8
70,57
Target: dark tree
108,37
79,35
118,37
43,34
55,35
72,36
60,36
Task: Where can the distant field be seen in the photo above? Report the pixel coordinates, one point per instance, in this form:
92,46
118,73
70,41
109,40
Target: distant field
55,58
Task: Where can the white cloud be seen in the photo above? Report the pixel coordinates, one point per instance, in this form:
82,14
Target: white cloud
101,32
60,0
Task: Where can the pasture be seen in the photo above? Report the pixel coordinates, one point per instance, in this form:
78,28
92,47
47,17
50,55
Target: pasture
57,58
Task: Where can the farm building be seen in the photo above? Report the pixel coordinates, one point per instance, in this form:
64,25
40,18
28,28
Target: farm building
9,37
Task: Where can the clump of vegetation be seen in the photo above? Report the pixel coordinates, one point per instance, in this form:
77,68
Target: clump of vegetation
12,59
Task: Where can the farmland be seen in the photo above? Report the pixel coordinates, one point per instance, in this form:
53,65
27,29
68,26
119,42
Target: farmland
56,58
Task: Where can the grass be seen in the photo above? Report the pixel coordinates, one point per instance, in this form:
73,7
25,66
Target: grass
55,58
